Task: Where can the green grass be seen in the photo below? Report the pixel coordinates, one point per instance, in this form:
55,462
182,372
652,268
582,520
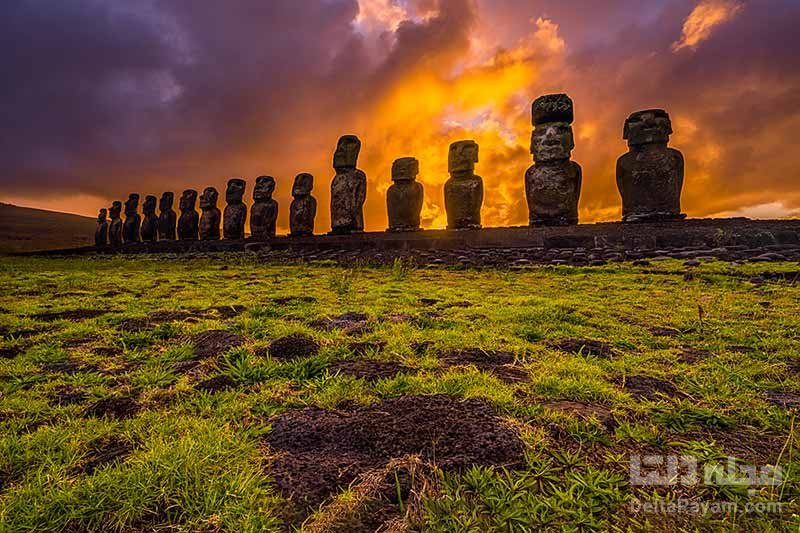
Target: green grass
198,461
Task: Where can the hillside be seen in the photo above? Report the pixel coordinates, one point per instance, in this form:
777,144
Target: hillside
23,229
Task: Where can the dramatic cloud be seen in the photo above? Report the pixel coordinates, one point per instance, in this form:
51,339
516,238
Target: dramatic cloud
704,18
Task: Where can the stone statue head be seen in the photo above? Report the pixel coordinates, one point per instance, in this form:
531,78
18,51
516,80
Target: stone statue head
101,217
149,205
552,138
132,204
208,199
234,194
552,108
463,156
346,155
652,126
116,209
405,169
167,199
188,200
265,186
303,185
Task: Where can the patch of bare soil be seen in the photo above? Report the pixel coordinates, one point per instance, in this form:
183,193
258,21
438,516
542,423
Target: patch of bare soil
499,363
649,388
658,331
584,411
321,452
105,452
421,348
787,400
293,347
229,311
74,315
746,445
369,369
451,305
216,384
9,352
67,395
294,300
349,323
69,367
214,343
363,348
7,333
107,351
119,408
691,355
586,347
155,319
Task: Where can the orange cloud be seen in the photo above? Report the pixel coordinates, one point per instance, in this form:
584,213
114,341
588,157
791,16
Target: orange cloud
703,20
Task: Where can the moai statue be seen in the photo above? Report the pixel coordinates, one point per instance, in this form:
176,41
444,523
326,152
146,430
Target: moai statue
115,228
167,219
189,221
348,189
133,220
150,221
404,197
101,233
553,183
304,206
211,217
463,192
650,175
235,213
264,213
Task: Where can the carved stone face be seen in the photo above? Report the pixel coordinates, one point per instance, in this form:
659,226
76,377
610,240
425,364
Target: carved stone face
303,185
188,200
265,186
167,199
132,204
405,169
101,217
652,126
463,156
346,155
552,142
116,209
149,205
209,198
235,191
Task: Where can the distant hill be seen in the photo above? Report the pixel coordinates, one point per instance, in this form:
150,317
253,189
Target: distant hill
23,229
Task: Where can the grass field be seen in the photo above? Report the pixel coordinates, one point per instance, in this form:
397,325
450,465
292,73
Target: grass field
226,394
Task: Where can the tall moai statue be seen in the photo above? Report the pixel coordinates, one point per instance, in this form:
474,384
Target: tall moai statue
553,183
211,217
404,198
101,233
463,192
133,220
303,210
650,175
348,189
150,220
235,213
189,222
167,219
264,213
115,227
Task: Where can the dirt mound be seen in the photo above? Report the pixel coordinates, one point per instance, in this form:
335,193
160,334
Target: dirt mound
119,408
105,452
153,320
74,315
586,347
229,311
787,400
9,353
293,347
67,395
293,300
499,363
349,323
214,343
69,367
369,369
216,384
691,355
650,388
323,451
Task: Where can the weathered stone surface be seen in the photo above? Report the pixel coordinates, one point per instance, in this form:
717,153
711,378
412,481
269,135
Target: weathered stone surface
303,210
348,188
167,220
189,221
463,192
650,175
264,213
404,198
133,221
235,212
101,233
115,228
211,217
150,221
553,183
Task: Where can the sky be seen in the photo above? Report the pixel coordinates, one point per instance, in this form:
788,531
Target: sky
101,98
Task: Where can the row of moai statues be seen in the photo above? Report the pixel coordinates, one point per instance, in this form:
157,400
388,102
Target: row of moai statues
649,178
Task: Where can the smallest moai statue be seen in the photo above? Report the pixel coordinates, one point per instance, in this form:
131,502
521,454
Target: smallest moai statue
264,213
101,233
463,192
189,221
235,213
303,210
168,219
211,217
150,220
404,198
115,228
133,220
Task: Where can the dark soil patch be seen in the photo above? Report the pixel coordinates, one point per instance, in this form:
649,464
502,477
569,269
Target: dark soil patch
787,400
461,305
214,343
658,331
586,347
119,408
501,364
421,348
294,300
293,347
184,367
324,451
107,351
649,388
105,452
230,311
584,411
9,353
363,348
691,355
754,448
74,315
368,369
154,319
69,367
216,384
349,323
67,395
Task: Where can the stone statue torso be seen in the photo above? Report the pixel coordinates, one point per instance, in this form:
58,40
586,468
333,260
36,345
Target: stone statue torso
209,224
130,229
404,205
301,215
166,225
188,225
101,234
150,228
553,192
650,182
463,198
234,219
263,218
348,193
115,232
